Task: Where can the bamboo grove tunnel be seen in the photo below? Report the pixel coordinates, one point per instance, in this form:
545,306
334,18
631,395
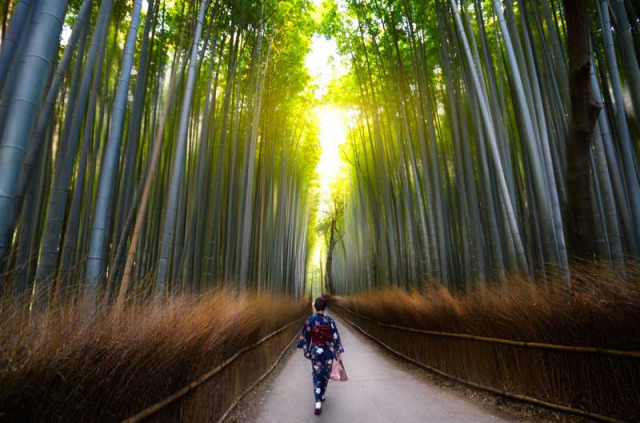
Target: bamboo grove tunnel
173,171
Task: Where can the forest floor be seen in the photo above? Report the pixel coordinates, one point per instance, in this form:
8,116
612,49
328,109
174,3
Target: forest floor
382,388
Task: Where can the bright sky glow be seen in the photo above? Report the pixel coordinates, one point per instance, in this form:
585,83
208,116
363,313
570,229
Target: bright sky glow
324,65
333,133
66,33
332,125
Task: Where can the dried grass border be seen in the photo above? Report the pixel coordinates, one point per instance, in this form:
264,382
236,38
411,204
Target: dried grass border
70,365
153,409
507,394
527,344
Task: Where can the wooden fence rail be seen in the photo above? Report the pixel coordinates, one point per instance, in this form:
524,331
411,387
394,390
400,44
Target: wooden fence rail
540,345
212,396
601,384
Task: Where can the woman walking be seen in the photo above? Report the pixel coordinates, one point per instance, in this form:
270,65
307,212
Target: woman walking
321,344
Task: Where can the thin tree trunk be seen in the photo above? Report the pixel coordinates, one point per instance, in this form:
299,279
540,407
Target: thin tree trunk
177,167
584,113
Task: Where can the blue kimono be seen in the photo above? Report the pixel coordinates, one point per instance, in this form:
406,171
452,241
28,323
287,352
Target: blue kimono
321,355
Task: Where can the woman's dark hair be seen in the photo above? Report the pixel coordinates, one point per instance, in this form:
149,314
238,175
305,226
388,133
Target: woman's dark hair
320,303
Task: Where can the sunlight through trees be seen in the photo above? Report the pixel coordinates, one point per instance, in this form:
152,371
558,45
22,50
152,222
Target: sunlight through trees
163,147
170,149
461,165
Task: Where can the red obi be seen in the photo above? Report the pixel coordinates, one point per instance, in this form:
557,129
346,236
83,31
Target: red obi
320,335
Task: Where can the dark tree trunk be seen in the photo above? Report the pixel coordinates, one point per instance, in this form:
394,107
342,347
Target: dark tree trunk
584,112
329,264
329,274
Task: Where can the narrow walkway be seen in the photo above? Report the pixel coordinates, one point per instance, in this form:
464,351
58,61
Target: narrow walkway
379,391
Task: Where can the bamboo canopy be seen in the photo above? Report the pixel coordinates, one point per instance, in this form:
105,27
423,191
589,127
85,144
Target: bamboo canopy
154,148
160,148
463,167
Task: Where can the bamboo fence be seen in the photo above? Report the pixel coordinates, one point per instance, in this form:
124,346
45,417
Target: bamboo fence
602,384
213,396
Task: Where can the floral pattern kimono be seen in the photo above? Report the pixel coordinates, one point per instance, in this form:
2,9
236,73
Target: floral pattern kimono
321,355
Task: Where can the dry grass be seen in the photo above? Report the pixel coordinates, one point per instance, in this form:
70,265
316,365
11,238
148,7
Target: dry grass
71,365
602,309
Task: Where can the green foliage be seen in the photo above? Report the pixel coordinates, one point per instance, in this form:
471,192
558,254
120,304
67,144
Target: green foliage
254,78
456,147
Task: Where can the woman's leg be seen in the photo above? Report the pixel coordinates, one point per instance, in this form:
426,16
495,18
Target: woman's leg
328,362
318,380
319,371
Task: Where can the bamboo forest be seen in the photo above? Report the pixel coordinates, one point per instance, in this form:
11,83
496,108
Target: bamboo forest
459,181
